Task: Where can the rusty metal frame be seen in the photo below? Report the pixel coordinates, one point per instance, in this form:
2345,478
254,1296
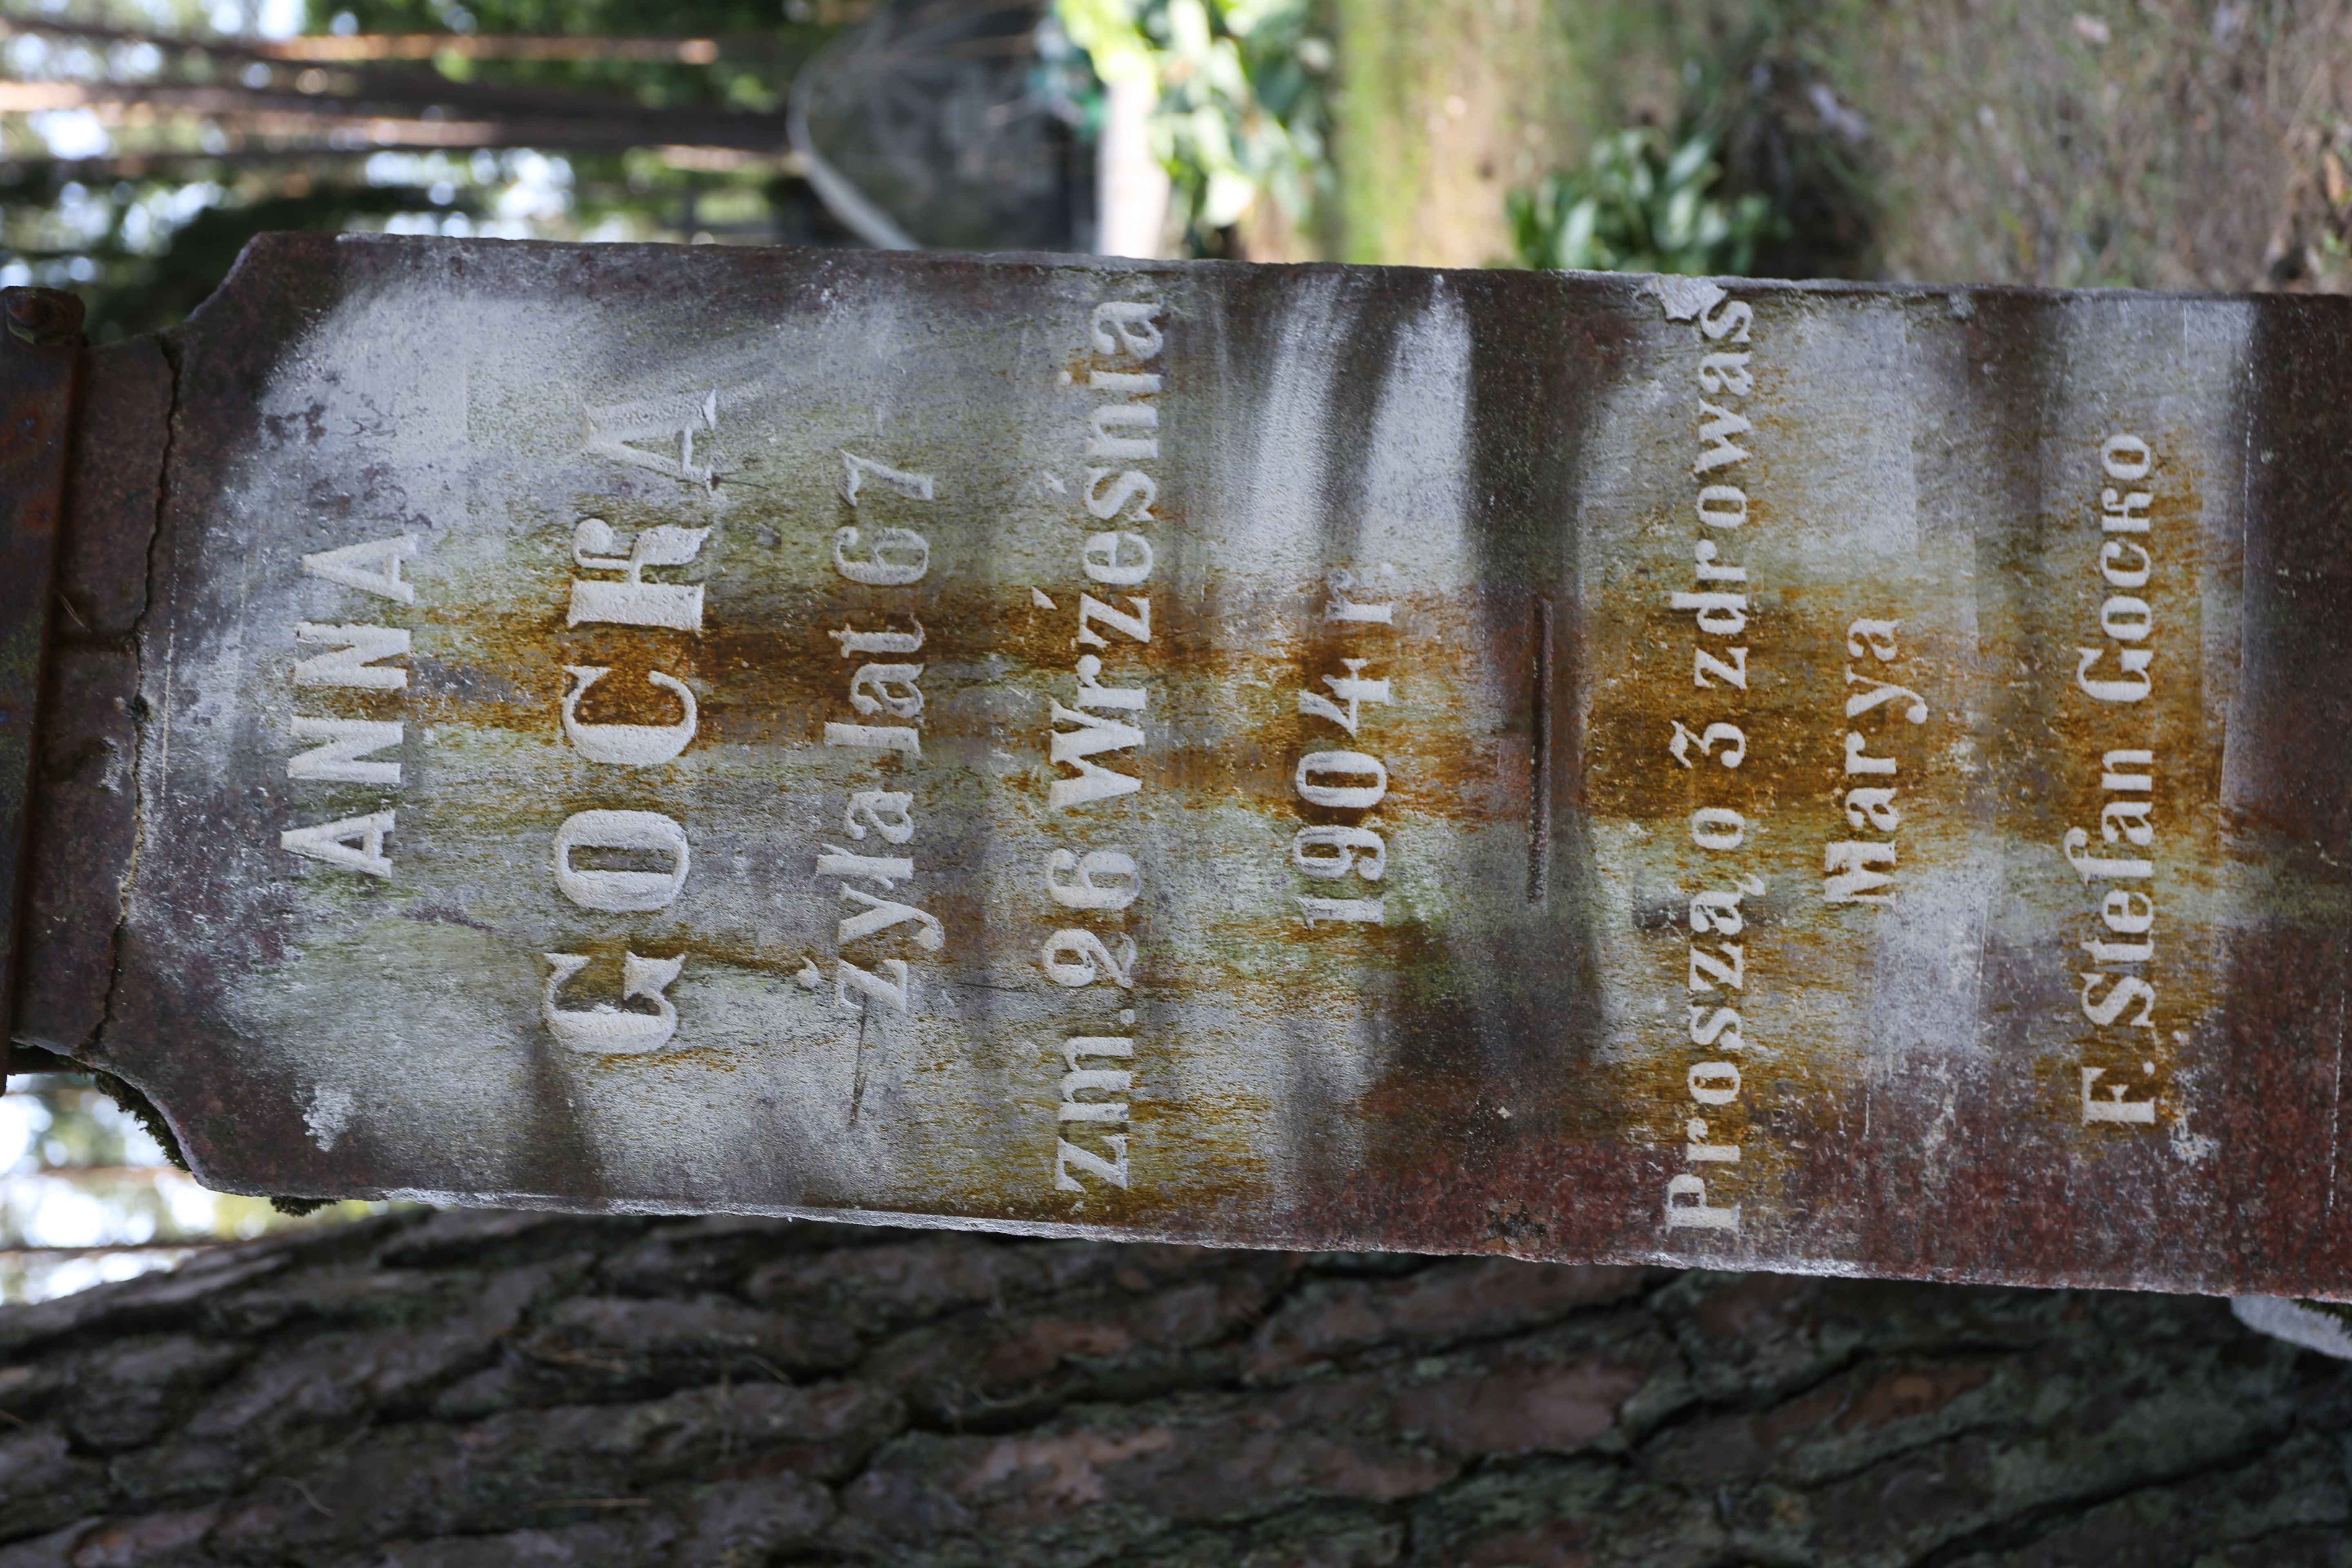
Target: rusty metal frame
1502,1108
39,356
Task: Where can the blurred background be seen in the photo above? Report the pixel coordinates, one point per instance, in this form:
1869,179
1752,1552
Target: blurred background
2156,143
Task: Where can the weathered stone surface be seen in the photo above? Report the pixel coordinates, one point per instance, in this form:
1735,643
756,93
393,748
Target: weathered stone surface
395,1394
1379,613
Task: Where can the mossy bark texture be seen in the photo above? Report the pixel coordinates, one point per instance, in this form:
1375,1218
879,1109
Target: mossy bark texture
492,1389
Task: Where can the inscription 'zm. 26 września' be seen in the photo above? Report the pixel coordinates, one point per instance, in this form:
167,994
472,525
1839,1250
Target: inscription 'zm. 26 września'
1125,379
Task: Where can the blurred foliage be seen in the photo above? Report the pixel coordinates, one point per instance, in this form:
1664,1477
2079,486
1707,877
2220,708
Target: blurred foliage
1766,173
1642,205
145,244
138,271
88,1194
760,38
1239,84
1783,135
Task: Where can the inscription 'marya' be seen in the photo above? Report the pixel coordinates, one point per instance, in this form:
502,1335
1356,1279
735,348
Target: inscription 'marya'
1858,869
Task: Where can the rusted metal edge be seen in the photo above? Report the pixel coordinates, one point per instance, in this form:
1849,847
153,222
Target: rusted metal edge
84,829
38,357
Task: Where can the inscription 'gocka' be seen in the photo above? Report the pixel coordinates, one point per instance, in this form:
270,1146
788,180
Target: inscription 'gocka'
1086,878
611,588
2118,994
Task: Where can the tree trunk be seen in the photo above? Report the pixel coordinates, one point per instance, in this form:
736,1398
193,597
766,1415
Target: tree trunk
451,1390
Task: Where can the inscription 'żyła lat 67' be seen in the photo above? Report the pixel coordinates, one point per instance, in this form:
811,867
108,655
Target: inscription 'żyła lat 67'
1801,776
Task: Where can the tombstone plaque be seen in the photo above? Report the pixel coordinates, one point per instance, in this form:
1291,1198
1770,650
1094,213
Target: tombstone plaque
1814,777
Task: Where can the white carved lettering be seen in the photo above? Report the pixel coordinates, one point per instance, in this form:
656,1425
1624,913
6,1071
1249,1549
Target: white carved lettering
2113,1107
857,644
1728,969
1341,764
354,843
871,690
1101,558
1857,762
607,1030
1717,827
878,570
1734,675
896,993
630,746
1132,485
1734,754
1719,614
644,833
1075,958
1696,1213
878,737
1713,1083
1350,689
373,567
1137,625
1094,694
1074,747
1125,326
356,649
1068,1157
1716,427
347,740
1113,416
611,429
1083,891
1847,875
857,470
885,871
876,915
1107,1080
887,812
633,601
1346,841
1360,912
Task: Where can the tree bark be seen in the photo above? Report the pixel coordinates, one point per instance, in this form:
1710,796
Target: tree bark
451,1390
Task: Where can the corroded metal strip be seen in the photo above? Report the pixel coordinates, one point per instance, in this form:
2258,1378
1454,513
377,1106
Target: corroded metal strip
1809,777
85,824
38,354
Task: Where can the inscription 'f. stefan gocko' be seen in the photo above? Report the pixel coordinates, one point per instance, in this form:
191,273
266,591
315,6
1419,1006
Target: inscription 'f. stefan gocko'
2119,993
